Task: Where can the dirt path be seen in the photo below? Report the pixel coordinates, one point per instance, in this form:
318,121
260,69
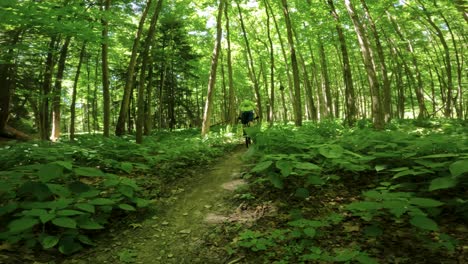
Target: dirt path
179,231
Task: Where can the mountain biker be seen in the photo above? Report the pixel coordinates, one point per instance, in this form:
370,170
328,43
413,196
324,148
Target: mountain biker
247,111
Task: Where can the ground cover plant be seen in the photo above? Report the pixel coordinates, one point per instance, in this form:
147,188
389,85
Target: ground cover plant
54,196
359,195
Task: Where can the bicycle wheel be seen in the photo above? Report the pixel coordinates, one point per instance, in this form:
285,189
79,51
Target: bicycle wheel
247,141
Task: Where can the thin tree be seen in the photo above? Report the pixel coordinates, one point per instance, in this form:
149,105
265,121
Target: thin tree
105,70
351,110
57,93
214,65
232,113
297,106
145,57
125,104
75,85
369,64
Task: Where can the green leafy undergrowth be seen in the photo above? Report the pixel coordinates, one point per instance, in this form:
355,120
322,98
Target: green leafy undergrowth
56,195
408,177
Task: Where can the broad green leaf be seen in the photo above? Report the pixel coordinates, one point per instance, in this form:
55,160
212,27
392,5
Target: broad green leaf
306,166
49,241
85,207
380,167
315,180
35,212
373,231
424,223
64,222
425,202
65,164
37,189
60,203
22,224
331,151
68,245
90,224
276,180
8,208
141,202
438,156
47,217
262,166
442,183
69,212
101,201
310,232
78,187
346,255
285,167
49,172
88,172
364,259
129,182
126,190
459,167
302,193
86,240
59,190
364,206
126,207
126,166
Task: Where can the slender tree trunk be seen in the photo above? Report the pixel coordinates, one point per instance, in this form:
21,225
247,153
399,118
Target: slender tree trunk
283,102
232,113
386,93
285,57
251,65
46,87
351,110
271,99
75,85
214,65
295,69
461,5
125,104
327,103
448,63
377,113
105,70
459,96
145,58
57,93
148,105
5,88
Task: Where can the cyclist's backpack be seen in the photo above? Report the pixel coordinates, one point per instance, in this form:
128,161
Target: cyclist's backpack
245,116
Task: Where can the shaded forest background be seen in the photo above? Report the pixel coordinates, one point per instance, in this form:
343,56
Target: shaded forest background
118,67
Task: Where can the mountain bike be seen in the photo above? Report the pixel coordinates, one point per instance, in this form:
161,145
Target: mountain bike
248,139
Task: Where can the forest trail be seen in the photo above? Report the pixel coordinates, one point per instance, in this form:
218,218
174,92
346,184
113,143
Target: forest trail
179,231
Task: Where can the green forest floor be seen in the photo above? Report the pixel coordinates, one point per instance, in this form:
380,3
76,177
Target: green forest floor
179,228
316,194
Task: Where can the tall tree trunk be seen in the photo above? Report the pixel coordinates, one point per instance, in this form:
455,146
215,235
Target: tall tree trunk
459,96
325,95
5,88
386,94
214,66
7,79
271,99
125,104
251,65
46,87
105,70
285,58
377,114
419,89
351,110
232,113
57,93
148,105
145,57
75,85
295,69
448,63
